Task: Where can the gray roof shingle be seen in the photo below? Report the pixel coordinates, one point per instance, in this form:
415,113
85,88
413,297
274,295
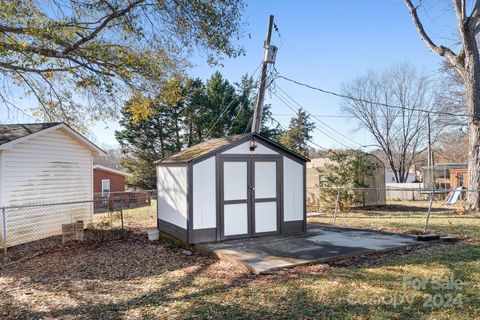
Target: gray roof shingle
10,132
214,145
201,149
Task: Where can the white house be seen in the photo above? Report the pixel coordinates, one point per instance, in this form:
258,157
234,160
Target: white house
390,177
44,163
233,187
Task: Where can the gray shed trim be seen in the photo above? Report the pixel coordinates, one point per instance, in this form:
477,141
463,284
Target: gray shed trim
193,236
195,154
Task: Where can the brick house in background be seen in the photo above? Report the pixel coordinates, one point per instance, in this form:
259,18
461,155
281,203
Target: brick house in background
107,180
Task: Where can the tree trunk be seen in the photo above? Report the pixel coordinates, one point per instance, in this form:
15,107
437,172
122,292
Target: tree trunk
472,87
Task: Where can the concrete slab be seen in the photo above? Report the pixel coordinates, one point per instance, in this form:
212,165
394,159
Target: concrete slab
318,244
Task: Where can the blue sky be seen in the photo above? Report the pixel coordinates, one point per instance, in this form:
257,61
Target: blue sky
324,43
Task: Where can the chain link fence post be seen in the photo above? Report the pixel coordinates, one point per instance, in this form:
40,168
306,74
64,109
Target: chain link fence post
337,206
4,230
432,196
121,212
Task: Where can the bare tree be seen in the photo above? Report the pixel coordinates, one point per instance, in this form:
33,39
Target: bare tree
112,159
452,147
396,123
466,62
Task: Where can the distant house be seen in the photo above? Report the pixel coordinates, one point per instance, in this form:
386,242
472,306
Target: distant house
107,180
109,191
458,177
390,177
445,176
44,163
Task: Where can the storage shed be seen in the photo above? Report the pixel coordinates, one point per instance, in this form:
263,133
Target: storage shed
233,187
317,171
44,163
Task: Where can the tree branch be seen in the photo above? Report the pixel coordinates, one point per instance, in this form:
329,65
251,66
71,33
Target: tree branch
97,30
440,50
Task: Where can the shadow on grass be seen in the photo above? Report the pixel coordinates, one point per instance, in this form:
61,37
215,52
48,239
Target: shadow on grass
197,293
400,208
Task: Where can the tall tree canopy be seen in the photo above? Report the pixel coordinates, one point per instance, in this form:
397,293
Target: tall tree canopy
184,113
79,58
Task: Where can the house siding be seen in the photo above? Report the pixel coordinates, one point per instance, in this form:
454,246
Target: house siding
117,181
49,168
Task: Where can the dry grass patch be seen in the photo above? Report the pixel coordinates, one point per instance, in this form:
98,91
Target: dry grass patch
134,279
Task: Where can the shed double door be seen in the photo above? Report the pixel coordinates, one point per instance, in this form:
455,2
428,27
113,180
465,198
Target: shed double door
250,196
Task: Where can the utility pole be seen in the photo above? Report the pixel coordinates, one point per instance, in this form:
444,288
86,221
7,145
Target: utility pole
269,57
430,153
429,159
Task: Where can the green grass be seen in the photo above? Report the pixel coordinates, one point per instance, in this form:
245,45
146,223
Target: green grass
410,217
135,279
140,218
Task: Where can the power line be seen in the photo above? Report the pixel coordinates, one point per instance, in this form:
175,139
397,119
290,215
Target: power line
228,107
318,129
340,95
308,141
238,114
330,115
315,117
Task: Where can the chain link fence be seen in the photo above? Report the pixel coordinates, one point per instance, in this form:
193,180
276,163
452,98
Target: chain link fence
30,229
396,209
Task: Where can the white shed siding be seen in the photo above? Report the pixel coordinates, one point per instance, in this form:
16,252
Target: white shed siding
49,168
293,191
172,194
204,194
244,148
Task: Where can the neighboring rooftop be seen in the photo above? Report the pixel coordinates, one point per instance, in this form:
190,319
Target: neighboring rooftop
441,166
111,170
10,132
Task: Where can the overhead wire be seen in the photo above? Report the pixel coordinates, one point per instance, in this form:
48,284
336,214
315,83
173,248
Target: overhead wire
345,96
316,128
226,109
316,118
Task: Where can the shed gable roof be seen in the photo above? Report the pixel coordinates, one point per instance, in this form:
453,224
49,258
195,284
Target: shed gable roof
219,144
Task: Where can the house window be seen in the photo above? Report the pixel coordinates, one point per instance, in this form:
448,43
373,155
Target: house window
461,180
105,187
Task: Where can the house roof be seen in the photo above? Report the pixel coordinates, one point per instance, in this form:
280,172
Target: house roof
111,170
11,134
442,166
219,144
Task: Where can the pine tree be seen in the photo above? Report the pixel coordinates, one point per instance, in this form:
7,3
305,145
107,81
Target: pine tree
184,113
298,133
